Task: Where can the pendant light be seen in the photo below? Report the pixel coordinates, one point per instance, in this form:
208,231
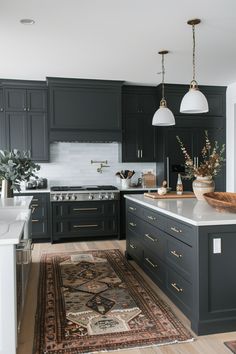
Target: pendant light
194,101
163,116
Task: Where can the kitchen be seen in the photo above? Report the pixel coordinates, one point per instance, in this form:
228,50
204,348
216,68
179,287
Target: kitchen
85,110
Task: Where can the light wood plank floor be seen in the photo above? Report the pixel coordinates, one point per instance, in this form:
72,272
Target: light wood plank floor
211,344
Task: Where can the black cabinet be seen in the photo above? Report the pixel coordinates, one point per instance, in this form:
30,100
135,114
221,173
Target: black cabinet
191,130
24,122
40,216
139,104
85,110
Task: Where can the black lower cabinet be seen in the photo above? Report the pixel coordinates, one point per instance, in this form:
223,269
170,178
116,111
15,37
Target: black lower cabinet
40,216
84,220
182,260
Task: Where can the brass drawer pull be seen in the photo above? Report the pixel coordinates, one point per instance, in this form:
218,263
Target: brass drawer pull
132,246
35,200
151,217
132,224
176,254
150,262
176,230
150,238
132,208
35,220
177,288
85,209
83,226
34,205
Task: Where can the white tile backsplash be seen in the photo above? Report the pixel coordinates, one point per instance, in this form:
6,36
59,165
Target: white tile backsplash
70,164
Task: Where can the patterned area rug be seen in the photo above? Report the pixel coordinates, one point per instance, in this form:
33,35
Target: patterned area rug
96,301
231,345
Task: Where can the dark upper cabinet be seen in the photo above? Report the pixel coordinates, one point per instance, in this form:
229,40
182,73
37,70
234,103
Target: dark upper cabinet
139,104
3,141
24,123
85,109
215,97
190,129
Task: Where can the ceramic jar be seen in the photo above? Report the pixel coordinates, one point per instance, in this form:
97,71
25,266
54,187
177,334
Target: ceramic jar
7,191
203,185
125,183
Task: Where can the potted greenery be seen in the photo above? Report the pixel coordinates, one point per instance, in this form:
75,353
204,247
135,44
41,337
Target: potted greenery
15,167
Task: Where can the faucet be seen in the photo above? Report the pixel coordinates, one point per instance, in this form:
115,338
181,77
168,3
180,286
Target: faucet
99,169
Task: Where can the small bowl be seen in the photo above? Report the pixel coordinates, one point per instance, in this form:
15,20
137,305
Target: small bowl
162,190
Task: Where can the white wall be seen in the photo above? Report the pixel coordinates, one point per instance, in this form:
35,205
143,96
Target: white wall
230,138
70,163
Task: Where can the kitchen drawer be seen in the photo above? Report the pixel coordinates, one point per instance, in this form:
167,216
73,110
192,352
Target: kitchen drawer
179,230
40,198
154,267
85,209
154,218
39,229
134,224
38,211
180,257
134,208
180,291
84,227
134,246
153,239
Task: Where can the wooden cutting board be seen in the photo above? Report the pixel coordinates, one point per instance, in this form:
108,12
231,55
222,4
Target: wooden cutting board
171,195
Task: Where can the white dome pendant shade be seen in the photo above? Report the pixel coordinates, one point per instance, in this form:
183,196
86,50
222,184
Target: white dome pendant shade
163,116
194,101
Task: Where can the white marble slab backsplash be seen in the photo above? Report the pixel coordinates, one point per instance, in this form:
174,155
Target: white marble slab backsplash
70,164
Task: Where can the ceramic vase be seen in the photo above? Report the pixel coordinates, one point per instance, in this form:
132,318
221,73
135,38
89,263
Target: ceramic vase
7,191
203,185
125,183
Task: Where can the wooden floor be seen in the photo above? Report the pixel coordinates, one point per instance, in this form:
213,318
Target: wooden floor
211,344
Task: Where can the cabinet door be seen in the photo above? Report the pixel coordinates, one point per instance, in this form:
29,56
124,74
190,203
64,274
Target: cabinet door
130,145
146,136
17,137
38,136
15,99
140,103
174,155
36,100
3,142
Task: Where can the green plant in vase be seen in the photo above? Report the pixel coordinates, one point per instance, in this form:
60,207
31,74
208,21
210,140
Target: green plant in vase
15,167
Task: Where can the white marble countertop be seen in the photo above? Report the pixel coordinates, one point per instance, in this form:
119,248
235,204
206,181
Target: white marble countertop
33,191
13,214
192,211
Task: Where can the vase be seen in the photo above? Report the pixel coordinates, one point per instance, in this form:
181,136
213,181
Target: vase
7,191
125,183
203,185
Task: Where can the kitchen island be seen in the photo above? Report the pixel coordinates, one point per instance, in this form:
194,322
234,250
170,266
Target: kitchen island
14,223
188,249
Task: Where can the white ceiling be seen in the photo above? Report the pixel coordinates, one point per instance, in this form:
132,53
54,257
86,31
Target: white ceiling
118,39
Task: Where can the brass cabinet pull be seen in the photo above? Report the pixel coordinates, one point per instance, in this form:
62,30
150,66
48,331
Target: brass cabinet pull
35,200
132,224
177,288
34,205
150,262
176,254
132,246
35,220
83,226
132,208
150,237
151,217
176,230
85,209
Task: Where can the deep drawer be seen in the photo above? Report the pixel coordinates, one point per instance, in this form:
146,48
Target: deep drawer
153,239
133,224
181,231
84,209
134,246
154,267
134,208
154,218
180,257
180,290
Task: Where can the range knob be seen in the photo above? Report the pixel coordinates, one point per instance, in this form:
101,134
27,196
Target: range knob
112,196
61,197
67,197
100,196
90,197
55,197
106,196
73,197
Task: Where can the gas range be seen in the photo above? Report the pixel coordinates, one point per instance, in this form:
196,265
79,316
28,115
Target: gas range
84,193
